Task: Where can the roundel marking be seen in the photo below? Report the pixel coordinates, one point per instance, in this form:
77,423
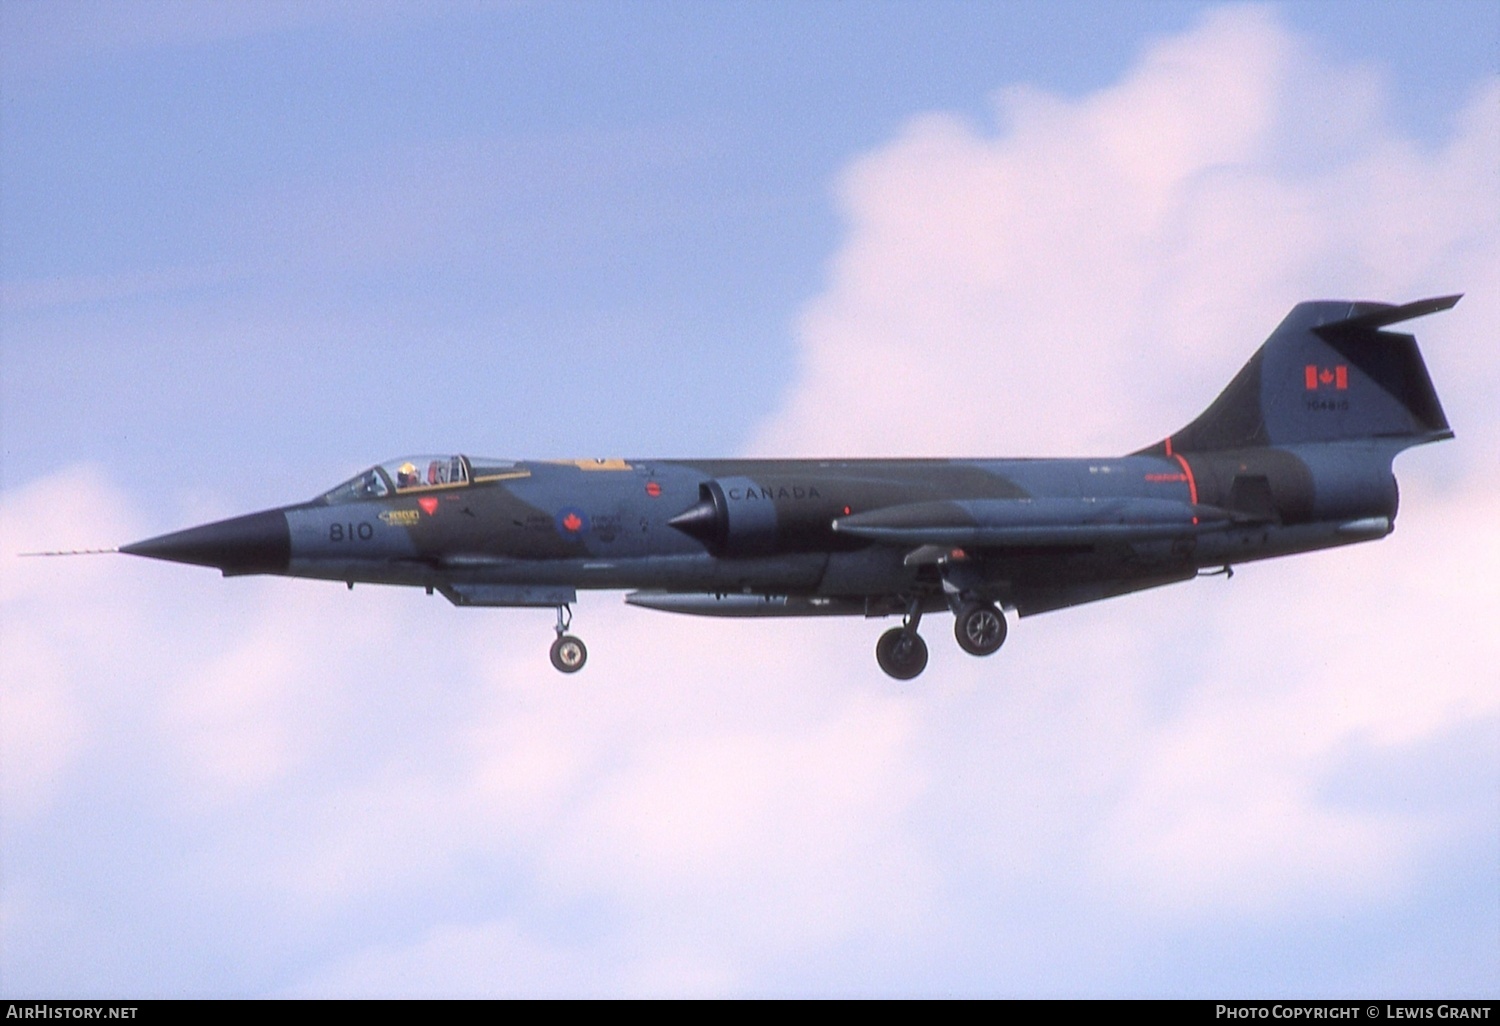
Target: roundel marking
572,522
653,489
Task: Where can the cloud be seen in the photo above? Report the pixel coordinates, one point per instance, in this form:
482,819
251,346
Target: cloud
384,795
58,630
1233,805
1084,275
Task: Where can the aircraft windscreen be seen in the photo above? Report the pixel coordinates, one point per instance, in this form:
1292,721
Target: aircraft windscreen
372,484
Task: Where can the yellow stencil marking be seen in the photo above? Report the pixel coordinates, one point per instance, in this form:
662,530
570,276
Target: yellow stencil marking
611,464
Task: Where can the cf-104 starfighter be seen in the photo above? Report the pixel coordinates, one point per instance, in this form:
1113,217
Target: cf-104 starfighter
1294,455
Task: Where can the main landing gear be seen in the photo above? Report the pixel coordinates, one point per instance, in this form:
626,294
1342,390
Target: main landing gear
568,653
978,626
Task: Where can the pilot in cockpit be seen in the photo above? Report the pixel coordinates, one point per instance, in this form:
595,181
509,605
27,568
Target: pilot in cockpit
407,476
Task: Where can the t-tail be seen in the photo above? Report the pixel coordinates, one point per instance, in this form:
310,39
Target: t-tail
1328,373
1306,432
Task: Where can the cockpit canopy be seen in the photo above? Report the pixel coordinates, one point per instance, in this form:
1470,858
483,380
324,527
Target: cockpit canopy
419,474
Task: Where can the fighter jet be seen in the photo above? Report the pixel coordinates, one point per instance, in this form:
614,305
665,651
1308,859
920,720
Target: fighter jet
1294,455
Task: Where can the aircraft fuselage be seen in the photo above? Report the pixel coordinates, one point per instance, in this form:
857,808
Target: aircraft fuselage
554,526
1294,455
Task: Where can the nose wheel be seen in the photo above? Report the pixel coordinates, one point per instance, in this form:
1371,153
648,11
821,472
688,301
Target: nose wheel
901,652
568,653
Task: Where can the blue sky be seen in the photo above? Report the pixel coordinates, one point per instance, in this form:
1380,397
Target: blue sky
247,249
209,208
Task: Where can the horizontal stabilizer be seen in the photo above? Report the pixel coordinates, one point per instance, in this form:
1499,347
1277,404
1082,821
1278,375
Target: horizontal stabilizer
1022,523
1382,315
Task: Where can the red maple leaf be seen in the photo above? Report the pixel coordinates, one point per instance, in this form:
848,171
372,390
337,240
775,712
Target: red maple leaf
572,522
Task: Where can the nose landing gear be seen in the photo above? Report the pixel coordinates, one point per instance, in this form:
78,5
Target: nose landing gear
568,653
901,652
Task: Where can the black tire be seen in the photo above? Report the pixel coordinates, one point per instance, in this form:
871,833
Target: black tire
980,628
569,654
901,653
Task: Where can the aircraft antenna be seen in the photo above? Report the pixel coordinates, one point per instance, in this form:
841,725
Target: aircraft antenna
70,552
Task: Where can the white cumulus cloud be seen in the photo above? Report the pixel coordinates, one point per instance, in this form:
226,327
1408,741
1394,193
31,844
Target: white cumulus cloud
1083,275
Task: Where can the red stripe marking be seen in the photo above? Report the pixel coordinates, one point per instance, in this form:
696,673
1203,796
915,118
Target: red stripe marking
1341,377
1312,378
1169,445
1192,485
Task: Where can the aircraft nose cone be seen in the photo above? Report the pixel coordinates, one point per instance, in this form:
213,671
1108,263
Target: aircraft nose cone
260,543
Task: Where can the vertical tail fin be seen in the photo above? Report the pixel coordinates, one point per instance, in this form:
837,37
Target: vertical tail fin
1328,373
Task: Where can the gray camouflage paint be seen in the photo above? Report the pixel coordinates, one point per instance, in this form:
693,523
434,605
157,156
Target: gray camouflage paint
1295,455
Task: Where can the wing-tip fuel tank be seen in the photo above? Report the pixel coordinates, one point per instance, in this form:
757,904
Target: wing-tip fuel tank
1294,455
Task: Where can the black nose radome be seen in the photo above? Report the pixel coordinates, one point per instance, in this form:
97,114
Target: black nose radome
260,543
